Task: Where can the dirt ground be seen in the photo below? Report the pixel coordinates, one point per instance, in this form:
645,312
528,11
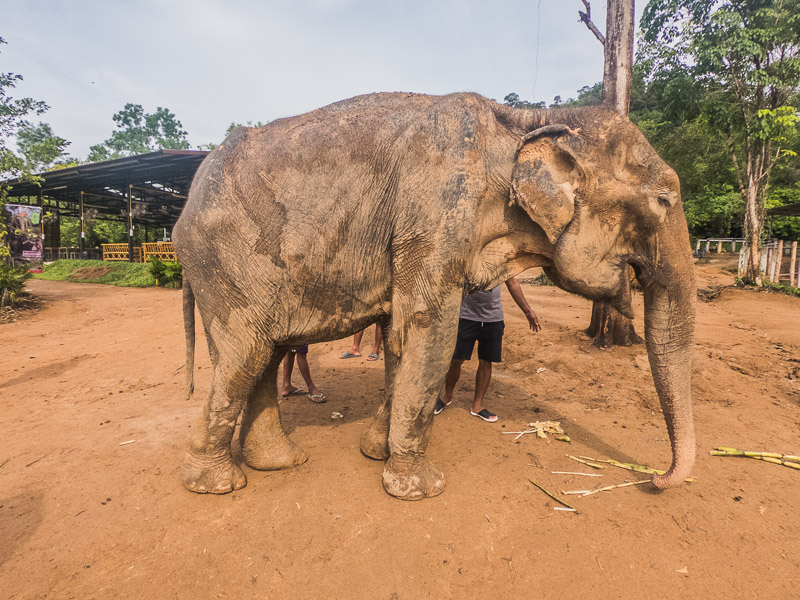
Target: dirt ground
94,422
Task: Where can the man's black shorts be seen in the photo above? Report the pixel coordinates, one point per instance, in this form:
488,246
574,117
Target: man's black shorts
488,335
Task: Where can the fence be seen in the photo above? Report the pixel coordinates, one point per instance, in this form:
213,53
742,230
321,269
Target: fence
71,252
163,250
773,263
120,252
732,242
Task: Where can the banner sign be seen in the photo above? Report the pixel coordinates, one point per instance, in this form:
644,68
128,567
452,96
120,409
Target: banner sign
24,225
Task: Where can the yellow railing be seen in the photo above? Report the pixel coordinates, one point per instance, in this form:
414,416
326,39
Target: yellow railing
120,252
163,250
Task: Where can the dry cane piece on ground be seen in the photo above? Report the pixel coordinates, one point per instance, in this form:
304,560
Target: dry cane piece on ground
787,460
541,429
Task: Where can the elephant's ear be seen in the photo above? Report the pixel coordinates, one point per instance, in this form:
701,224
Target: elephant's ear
546,174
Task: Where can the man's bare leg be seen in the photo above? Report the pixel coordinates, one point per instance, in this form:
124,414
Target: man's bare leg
482,378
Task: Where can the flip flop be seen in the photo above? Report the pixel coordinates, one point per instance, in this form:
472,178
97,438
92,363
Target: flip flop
349,354
484,414
297,392
440,405
318,398
372,356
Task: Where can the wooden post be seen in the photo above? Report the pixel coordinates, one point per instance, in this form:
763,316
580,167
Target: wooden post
697,248
719,246
792,263
708,246
733,245
778,262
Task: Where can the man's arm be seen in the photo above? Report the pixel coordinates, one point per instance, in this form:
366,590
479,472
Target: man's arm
516,293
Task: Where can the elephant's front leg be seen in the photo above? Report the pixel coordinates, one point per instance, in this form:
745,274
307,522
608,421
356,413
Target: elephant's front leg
425,349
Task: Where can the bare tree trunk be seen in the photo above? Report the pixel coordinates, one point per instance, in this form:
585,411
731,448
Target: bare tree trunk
618,53
609,327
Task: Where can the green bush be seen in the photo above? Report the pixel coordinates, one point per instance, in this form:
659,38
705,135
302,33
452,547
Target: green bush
12,281
166,272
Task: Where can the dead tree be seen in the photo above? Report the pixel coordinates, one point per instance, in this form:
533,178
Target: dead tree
608,326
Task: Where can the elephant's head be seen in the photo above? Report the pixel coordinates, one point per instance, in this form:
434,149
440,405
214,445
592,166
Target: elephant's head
606,200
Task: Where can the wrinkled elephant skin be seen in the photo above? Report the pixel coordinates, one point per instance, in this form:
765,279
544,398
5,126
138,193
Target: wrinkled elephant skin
389,208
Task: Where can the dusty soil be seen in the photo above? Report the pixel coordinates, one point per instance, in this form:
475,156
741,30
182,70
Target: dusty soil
85,514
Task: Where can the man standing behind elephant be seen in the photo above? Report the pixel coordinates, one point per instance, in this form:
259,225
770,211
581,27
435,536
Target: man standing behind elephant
481,320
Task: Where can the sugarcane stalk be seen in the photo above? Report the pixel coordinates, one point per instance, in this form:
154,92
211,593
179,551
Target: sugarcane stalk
585,462
631,466
787,460
561,502
582,493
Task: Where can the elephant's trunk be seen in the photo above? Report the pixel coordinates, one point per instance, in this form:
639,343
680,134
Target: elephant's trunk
669,333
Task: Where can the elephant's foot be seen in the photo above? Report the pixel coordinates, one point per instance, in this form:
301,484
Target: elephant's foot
375,441
211,474
412,477
279,453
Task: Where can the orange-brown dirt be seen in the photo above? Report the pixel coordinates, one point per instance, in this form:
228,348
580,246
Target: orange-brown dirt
85,515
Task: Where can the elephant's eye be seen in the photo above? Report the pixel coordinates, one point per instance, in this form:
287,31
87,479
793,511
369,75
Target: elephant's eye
663,200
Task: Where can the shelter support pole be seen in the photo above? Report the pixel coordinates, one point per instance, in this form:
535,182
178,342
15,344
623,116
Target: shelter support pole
792,264
719,247
697,248
708,246
83,231
778,261
130,223
41,205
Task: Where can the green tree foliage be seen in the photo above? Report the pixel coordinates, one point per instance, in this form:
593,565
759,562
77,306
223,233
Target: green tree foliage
40,147
139,132
735,65
13,124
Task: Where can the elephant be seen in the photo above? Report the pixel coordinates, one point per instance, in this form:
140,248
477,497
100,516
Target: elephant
389,208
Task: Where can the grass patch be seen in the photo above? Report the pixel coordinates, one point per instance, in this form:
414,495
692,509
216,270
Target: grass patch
119,273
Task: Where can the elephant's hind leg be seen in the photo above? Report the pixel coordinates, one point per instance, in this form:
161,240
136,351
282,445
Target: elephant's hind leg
375,440
264,444
208,466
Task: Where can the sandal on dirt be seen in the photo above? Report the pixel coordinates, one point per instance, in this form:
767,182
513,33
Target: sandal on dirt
484,414
349,354
440,405
296,392
372,356
318,398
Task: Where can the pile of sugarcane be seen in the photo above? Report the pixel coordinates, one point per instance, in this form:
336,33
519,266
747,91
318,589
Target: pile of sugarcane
787,460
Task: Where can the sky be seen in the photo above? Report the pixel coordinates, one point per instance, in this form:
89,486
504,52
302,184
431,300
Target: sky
214,62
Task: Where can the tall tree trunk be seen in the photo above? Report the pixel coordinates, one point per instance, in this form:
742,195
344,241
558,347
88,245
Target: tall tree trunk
609,327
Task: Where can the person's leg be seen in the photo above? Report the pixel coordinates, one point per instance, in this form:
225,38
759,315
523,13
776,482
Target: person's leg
465,341
355,349
482,378
451,379
288,366
376,348
490,349
313,391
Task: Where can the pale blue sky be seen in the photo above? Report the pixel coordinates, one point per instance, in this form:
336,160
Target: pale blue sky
212,62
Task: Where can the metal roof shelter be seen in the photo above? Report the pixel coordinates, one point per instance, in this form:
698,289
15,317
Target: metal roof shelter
146,189
789,210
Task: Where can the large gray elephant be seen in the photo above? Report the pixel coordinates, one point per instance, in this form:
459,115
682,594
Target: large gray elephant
389,208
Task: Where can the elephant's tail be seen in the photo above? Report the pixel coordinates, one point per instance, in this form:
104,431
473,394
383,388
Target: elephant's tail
188,325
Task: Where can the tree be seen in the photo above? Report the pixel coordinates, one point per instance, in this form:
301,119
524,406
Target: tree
40,147
744,59
608,326
139,132
13,114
